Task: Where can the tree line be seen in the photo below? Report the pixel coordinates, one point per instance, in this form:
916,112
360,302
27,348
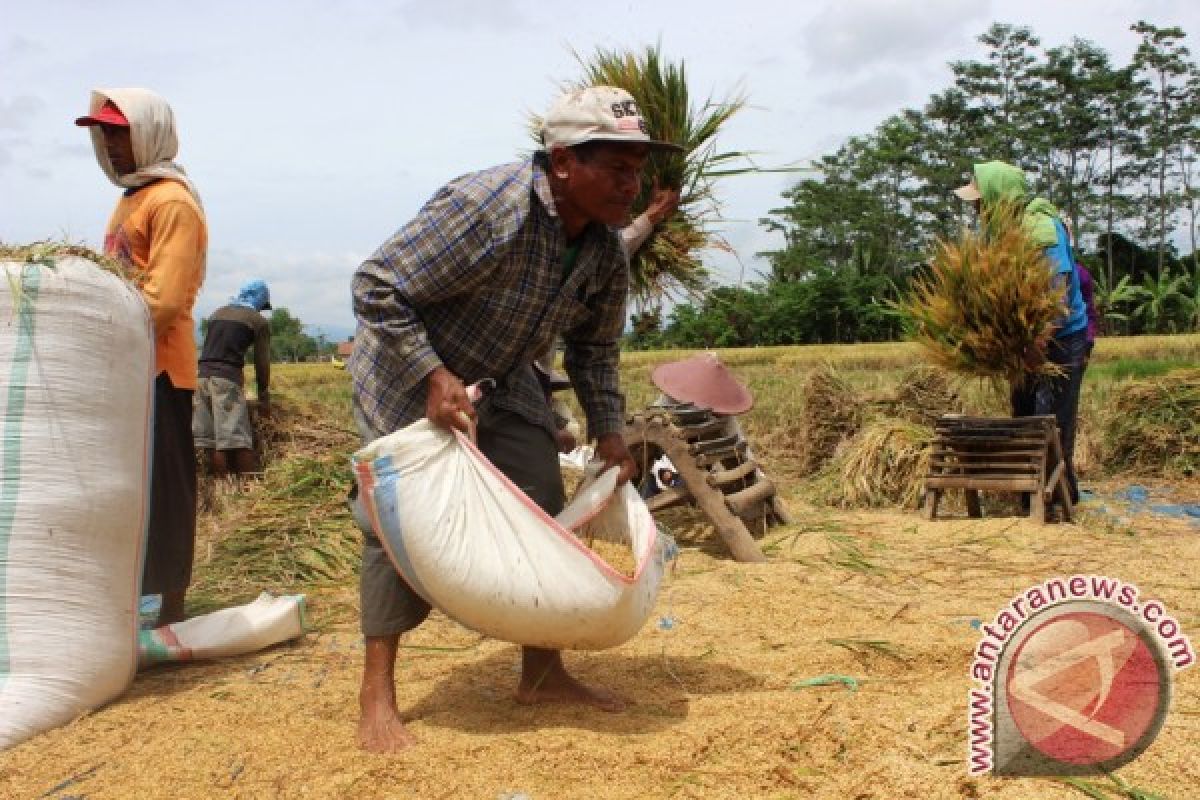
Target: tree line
1114,146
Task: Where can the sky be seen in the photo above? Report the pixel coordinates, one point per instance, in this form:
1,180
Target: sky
314,130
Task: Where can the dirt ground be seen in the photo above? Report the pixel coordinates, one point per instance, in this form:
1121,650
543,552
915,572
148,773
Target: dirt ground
715,711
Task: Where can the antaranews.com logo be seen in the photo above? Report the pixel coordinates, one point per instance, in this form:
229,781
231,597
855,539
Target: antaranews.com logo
1072,677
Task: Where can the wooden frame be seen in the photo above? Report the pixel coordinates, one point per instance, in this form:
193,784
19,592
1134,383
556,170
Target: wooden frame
1023,454
718,477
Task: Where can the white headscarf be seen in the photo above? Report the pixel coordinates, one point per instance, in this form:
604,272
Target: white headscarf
152,129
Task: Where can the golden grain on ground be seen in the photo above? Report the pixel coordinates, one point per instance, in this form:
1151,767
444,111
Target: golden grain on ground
719,705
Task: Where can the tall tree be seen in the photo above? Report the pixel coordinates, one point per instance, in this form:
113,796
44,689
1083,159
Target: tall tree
1006,88
1162,66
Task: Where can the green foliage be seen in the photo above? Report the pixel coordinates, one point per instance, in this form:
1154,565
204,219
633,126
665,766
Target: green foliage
1114,146
289,342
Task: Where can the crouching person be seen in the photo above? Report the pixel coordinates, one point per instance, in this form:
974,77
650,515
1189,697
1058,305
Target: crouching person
220,417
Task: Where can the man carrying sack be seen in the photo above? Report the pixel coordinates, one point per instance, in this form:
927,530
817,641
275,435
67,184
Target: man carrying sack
496,265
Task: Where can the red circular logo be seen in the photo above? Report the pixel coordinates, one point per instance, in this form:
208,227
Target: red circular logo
1085,688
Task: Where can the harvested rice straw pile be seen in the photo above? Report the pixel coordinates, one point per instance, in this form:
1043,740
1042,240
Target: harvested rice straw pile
1154,425
923,395
883,465
988,306
831,414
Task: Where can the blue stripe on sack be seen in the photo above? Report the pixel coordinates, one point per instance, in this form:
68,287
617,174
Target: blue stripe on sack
14,417
387,507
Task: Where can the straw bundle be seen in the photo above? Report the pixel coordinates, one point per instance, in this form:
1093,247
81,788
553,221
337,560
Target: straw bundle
1155,425
882,465
988,306
668,264
831,414
922,395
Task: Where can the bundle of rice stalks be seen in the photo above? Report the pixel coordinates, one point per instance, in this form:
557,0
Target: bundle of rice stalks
1154,426
296,532
883,465
668,264
922,395
831,414
988,305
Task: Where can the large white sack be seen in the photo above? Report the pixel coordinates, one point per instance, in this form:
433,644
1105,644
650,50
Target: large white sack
473,545
228,632
76,383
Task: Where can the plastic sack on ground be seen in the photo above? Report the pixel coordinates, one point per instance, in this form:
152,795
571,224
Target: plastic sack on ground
76,384
473,545
229,632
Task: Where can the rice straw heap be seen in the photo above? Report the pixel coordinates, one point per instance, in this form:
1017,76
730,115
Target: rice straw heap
1155,425
882,465
831,414
922,395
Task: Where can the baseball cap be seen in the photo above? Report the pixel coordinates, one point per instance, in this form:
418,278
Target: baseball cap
969,192
108,114
597,114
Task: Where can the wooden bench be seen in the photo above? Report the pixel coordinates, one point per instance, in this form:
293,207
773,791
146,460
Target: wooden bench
1022,454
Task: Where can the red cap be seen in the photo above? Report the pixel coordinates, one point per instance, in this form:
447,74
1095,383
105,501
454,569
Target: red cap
108,114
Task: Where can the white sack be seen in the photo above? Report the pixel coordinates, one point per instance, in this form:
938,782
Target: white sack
76,392
473,545
229,632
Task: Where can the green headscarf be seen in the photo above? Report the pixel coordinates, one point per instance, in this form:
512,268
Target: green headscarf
1000,182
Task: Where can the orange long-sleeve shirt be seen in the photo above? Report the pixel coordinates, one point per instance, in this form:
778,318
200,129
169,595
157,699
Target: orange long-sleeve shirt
159,230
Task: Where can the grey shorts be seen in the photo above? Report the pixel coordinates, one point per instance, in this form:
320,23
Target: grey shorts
523,451
220,419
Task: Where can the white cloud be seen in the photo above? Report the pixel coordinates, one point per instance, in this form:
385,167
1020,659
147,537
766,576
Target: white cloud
850,36
887,91
21,47
314,287
464,14
15,114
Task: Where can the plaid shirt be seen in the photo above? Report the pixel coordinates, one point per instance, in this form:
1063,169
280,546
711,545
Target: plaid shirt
475,283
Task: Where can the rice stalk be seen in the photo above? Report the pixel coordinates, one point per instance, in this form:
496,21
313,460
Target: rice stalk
988,305
884,464
831,414
47,252
862,647
668,265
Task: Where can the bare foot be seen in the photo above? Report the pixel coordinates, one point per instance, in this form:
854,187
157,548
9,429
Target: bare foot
379,727
545,680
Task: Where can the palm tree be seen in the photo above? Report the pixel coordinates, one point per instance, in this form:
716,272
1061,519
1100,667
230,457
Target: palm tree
1192,298
1164,301
1110,302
